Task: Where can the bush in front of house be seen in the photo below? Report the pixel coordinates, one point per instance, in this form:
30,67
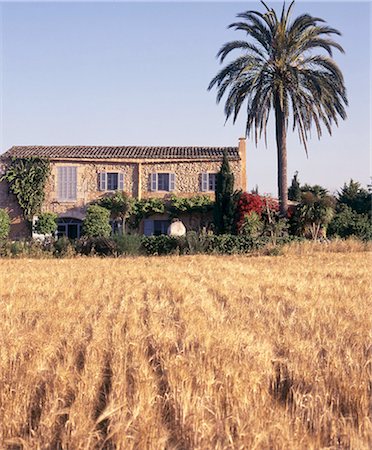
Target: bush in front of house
97,222
63,248
46,223
230,244
25,249
204,243
160,245
4,224
99,246
197,242
128,244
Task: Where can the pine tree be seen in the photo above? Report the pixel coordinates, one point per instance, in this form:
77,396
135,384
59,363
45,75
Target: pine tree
224,211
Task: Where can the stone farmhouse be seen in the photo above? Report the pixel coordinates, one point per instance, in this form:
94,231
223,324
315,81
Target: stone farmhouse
83,174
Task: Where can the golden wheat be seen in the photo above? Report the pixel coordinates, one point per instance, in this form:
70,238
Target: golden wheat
198,352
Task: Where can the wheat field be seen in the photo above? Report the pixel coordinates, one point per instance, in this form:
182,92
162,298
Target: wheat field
192,352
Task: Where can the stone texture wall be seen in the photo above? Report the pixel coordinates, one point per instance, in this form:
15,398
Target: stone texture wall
87,186
187,183
187,174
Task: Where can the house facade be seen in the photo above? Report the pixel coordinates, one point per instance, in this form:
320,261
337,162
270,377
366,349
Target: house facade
81,175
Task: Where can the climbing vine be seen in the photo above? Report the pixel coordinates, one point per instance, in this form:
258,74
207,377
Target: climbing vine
145,208
195,204
27,178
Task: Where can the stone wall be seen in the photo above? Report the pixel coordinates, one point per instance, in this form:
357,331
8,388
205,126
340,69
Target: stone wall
87,186
187,183
187,176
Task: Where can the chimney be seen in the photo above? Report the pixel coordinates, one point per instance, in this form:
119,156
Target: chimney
243,162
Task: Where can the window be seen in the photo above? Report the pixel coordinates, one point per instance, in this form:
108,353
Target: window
209,182
111,181
161,227
69,227
67,183
155,227
212,181
163,181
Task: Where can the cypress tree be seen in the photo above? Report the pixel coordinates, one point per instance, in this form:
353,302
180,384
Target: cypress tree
224,210
294,191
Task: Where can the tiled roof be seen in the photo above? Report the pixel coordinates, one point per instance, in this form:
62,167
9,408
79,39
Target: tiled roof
96,152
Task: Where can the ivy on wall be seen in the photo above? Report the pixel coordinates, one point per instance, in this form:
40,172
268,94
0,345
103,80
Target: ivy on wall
27,178
145,208
195,204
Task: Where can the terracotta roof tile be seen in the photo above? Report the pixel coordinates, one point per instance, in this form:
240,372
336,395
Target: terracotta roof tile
127,152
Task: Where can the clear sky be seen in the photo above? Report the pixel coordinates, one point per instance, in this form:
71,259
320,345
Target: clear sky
137,74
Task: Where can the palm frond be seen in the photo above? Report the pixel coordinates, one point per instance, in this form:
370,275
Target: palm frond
281,70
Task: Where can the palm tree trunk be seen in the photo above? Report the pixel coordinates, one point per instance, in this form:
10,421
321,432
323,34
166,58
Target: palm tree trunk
281,144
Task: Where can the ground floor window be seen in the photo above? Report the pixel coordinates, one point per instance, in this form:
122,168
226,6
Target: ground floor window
155,227
69,227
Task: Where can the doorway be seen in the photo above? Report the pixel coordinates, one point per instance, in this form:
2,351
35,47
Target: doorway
69,227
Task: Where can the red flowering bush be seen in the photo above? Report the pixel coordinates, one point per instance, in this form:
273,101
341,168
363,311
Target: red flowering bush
248,203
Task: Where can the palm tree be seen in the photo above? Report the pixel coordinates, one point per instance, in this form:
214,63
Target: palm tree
279,71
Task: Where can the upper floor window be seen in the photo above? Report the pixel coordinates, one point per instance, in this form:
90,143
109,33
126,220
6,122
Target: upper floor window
67,183
209,182
163,181
111,181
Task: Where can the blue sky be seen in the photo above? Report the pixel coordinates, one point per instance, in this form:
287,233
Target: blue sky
137,74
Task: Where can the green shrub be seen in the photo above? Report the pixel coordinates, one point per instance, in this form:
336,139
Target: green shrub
63,248
25,249
96,222
192,243
252,225
4,224
197,243
4,248
46,223
128,244
229,244
160,245
347,223
100,246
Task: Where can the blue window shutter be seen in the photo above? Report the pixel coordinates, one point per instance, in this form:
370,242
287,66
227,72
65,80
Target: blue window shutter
148,227
65,183
121,182
102,181
204,186
60,184
154,181
172,181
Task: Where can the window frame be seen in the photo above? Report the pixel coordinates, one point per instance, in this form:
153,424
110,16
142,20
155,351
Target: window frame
111,175
103,181
209,181
154,182
164,176
206,180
